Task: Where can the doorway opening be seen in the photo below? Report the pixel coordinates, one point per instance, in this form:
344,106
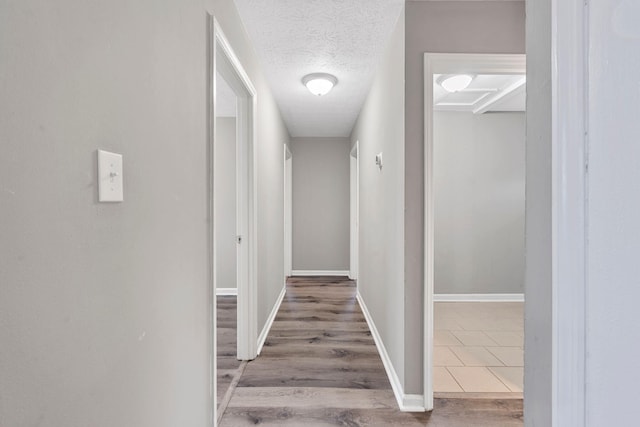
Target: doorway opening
288,212
232,205
474,225
226,249
354,176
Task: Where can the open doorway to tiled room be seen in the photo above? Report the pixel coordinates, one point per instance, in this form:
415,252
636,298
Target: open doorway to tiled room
479,206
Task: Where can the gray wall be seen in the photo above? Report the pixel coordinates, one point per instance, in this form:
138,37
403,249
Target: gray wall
225,207
440,27
613,286
321,204
105,308
538,387
380,128
479,202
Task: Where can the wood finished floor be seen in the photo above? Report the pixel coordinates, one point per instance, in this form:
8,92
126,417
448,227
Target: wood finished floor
227,363
320,367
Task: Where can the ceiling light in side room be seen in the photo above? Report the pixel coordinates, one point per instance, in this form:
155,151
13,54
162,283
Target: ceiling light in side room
319,83
455,83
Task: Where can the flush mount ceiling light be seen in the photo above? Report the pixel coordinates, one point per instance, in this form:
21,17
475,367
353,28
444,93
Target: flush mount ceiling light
319,83
455,82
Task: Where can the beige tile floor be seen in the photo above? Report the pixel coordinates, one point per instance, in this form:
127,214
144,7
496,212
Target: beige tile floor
478,347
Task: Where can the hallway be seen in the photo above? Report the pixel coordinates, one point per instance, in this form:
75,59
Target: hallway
320,367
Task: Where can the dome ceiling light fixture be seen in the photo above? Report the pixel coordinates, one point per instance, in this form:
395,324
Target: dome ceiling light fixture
455,82
319,83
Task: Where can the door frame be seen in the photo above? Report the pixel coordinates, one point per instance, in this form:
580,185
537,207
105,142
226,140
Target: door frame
288,212
228,65
558,109
446,63
222,59
354,207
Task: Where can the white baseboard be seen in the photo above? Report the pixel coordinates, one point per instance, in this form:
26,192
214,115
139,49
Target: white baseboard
412,403
320,273
478,297
272,316
406,402
227,291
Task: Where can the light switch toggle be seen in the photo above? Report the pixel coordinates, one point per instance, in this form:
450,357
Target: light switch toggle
110,182
379,160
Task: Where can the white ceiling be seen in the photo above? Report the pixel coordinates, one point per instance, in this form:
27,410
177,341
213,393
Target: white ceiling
485,93
294,38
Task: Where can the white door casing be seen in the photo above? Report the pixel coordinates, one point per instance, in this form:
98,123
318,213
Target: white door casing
446,63
223,60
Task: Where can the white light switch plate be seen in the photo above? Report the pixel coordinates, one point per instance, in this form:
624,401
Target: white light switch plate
110,188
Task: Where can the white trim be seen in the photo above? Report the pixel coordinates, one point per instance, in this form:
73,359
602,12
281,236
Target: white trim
247,184
406,402
320,273
226,291
211,263
478,298
412,403
569,181
446,63
272,316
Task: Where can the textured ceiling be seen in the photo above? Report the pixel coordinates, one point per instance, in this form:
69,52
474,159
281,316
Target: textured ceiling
342,37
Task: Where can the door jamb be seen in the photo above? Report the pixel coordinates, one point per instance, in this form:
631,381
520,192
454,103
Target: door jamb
569,75
446,63
218,44
354,162
247,194
211,260
288,212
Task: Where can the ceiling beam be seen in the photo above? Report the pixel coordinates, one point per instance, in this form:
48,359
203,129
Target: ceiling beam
502,95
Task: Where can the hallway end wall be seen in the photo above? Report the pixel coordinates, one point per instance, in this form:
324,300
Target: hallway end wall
320,204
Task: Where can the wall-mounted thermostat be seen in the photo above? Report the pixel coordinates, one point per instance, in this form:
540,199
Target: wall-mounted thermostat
379,160
110,188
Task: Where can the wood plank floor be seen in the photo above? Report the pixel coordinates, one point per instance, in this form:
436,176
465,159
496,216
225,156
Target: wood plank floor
320,367
227,363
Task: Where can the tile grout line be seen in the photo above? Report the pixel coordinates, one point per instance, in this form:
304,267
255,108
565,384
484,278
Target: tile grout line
455,379
488,368
499,379
455,355
506,365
